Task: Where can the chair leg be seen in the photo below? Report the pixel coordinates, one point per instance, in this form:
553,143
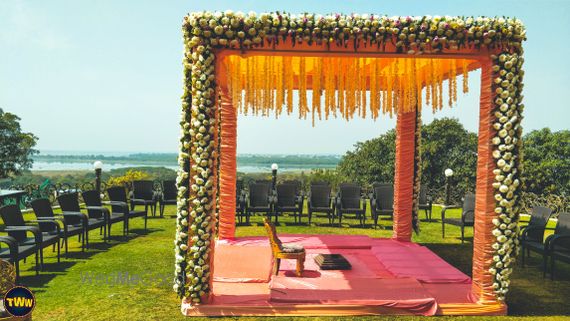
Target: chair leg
300,266
462,234
276,264
552,268
41,258
53,247
442,229
17,264
37,264
145,219
58,250
66,247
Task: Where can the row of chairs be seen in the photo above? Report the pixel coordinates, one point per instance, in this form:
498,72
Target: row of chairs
555,247
288,197
51,229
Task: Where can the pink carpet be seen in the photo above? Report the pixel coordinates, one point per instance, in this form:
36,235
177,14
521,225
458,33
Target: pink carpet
310,241
242,264
406,294
364,265
386,275
405,260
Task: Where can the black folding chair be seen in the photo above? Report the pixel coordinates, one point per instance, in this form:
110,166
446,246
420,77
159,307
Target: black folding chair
260,199
119,204
95,208
382,201
467,216
143,194
320,201
350,201
425,202
15,252
240,200
169,195
287,200
532,235
72,222
558,244
69,204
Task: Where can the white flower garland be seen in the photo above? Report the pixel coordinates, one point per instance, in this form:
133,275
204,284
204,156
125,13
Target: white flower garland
507,78
205,31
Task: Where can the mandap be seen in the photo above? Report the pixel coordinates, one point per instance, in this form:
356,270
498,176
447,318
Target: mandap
347,66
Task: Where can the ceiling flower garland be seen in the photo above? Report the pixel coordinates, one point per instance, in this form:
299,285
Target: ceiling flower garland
205,32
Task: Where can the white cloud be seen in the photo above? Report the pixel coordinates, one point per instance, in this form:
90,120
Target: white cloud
23,26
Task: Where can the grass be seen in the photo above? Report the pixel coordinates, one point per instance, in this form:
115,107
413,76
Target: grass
83,287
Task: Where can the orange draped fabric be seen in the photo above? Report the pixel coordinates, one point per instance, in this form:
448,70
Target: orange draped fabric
484,202
228,146
404,175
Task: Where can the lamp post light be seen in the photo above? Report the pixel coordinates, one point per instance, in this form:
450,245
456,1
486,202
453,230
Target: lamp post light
448,174
98,166
274,168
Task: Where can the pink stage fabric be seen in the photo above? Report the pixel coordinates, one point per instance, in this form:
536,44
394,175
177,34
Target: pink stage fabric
405,294
242,264
364,265
314,241
404,260
453,293
240,293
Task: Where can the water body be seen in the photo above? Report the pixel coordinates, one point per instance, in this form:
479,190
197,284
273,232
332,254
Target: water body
78,166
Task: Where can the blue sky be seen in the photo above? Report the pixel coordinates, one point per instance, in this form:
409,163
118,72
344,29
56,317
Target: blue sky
106,75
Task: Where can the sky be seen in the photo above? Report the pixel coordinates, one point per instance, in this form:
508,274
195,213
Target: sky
106,75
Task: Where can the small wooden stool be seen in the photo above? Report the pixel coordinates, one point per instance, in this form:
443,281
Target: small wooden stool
287,251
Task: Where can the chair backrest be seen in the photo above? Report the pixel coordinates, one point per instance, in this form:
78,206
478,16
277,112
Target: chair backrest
468,208
350,195
169,190
384,194
539,216
286,194
239,186
42,208
423,195
320,194
69,202
563,228
143,189
117,194
275,242
12,216
91,198
259,194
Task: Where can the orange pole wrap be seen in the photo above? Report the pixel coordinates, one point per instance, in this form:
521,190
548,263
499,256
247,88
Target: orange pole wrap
228,136
404,175
484,195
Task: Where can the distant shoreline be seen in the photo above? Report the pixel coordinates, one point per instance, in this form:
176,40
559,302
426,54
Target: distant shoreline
248,163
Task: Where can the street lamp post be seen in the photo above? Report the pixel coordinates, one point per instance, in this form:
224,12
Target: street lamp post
274,169
448,174
98,166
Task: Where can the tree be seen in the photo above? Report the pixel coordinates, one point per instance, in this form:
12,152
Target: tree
546,160
445,144
372,160
16,147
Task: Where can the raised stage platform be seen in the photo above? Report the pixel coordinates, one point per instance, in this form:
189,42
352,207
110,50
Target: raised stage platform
387,277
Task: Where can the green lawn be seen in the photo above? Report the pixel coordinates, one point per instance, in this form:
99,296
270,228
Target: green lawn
64,291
